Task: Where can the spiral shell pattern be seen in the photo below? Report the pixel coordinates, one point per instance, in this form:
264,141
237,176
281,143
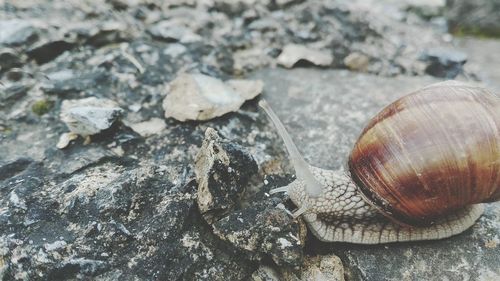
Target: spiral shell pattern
430,153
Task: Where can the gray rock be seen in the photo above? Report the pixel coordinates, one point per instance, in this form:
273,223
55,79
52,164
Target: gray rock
67,83
173,32
8,170
49,50
200,260
265,24
77,267
68,162
9,59
122,4
81,31
17,32
13,93
223,170
236,7
325,111
443,62
149,127
108,33
263,230
175,50
110,194
201,97
107,220
265,273
323,268
426,9
89,116
284,3
247,89
357,61
481,17
294,53
19,180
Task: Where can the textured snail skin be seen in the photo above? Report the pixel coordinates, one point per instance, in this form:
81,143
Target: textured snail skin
342,215
430,153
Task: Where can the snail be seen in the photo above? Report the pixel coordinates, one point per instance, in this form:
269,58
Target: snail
420,170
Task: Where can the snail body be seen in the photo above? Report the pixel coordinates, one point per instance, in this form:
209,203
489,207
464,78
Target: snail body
419,170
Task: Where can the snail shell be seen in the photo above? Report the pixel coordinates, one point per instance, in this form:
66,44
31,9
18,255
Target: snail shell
430,153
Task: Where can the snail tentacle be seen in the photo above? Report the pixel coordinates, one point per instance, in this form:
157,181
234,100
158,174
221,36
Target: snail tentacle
313,188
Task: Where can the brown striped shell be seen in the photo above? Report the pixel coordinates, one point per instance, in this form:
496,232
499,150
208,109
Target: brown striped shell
430,153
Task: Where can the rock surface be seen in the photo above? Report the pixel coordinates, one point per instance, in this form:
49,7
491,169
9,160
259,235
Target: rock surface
172,32
293,53
124,207
264,231
444,63
89,116
9,59
201,97
149,127
16,32
481,17
223,170
323,268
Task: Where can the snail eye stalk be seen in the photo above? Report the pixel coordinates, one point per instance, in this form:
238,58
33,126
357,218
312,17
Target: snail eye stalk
312,186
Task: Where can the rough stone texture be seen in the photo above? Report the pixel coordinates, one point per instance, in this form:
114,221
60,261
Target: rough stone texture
325,111
102,224
323,268
357,61
479,17
149,127
9,59
9,95
171,32
293,53
319,268
444,63
264,230
17,32
265,273
223,170
66,82
201,97
226,37
47,51
89,116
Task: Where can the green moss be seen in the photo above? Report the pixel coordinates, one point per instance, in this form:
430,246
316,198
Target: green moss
5,130
482,33
41,107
